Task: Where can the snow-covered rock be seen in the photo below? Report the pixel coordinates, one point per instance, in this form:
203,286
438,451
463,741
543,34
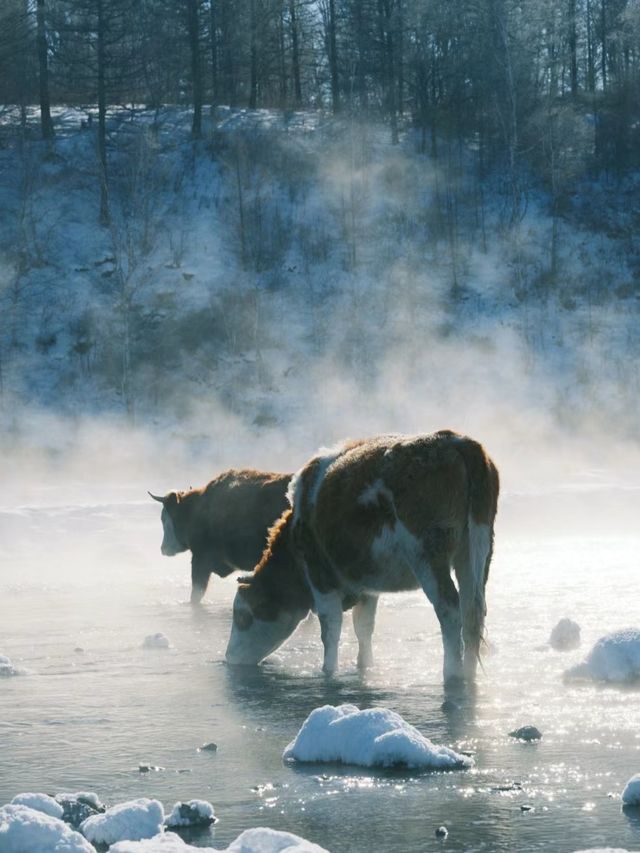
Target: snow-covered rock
130,821
615,657
258,840
6,667
262,840
565,636
156,641
79,806
191,813
631,793
40,803
375,737
25,830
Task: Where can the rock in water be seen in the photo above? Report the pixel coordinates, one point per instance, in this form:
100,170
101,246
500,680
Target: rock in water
156,641
191,813
526,733
631,793
565,636
614,658
442,832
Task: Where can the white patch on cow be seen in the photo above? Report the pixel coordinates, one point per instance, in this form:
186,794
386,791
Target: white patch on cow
373,492
395,554
364,620
326,456
328,606
171,545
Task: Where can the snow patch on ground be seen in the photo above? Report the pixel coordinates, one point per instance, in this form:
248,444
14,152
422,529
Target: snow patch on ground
130,821
615,657
191,813
375,737
25,830
156,641
39,803
631,793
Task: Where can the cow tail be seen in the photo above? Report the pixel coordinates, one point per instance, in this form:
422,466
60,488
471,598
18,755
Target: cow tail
483,482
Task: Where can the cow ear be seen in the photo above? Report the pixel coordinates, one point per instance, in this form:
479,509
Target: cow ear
171,499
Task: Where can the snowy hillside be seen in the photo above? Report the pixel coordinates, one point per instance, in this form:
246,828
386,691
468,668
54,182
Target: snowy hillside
294,263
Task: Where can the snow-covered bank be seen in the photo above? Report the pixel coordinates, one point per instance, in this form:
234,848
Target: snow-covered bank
614,658
374,737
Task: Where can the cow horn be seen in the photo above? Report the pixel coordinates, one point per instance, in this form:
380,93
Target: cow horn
156,498
245,580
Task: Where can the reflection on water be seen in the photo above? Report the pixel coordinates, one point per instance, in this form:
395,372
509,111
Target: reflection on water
83,586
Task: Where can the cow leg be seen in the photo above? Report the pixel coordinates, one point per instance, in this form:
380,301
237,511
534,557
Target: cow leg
329,610
434,576
200,574
364,620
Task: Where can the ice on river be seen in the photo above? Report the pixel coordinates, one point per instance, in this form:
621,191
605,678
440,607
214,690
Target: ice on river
25,830
615,658
374,737
130,821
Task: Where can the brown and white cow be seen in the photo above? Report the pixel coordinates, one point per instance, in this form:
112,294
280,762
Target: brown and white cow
224,524
385,514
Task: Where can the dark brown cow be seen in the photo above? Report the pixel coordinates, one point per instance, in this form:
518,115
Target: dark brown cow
386,514
224,524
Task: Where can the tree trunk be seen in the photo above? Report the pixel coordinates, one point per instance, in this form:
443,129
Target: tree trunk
193,26
43,68
213,42
102,112
573,56
253,81
333,58
295,53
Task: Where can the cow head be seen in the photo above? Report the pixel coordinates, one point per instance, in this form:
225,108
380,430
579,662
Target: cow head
262,621
172,542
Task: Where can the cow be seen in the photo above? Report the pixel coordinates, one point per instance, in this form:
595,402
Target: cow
224,524
385,514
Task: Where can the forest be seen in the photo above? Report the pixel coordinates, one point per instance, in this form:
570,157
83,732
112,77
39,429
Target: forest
182,179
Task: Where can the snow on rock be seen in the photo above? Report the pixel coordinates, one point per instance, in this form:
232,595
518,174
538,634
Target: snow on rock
6,667
40,803
565,636
615,657
262,840
604,850
631,793
375,737
156,641
259,840
130,821
25,830
191,813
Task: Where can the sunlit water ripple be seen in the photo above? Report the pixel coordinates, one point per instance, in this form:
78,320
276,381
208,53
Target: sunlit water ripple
84,584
